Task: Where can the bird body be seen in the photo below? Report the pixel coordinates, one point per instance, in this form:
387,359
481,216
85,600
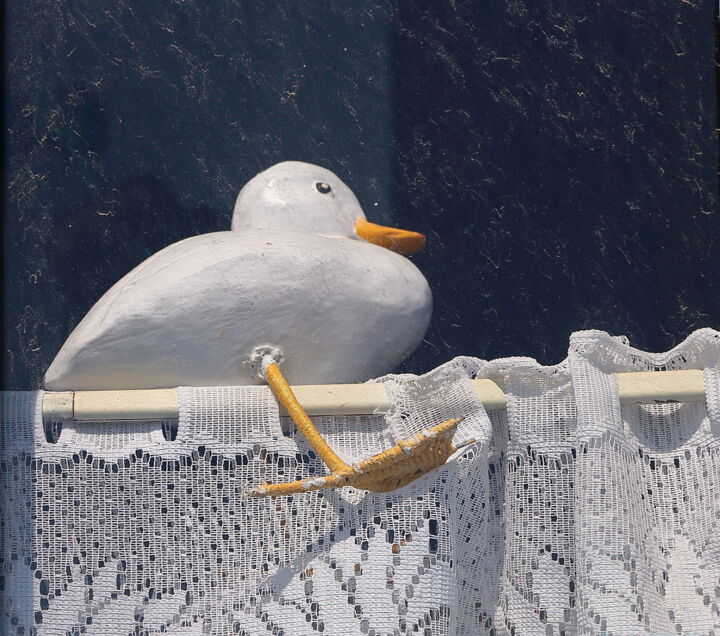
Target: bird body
337,308
303,280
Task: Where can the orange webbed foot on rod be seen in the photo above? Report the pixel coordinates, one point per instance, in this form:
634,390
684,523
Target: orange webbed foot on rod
388,470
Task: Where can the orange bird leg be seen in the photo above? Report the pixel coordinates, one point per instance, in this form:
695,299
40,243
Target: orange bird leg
287,398
390,469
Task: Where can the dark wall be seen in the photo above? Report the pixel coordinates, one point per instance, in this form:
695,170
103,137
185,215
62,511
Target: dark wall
560,156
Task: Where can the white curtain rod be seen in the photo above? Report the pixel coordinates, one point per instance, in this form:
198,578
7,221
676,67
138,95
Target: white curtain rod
343,399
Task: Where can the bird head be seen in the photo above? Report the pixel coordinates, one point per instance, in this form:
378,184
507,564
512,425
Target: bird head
303,197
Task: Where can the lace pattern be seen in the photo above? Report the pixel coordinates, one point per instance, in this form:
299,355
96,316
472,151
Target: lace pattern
568,514
125,532
648,481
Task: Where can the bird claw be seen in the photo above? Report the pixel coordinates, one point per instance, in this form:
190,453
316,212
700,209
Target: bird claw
388,470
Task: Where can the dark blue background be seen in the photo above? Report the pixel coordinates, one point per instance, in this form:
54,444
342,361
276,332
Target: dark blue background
561,156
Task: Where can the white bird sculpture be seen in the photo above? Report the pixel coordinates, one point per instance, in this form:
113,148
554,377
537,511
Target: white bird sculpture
302,281
302,276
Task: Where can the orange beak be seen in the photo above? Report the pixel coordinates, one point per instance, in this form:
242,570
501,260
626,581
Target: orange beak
400,241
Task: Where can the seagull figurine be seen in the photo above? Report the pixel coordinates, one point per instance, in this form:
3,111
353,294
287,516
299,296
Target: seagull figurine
301,281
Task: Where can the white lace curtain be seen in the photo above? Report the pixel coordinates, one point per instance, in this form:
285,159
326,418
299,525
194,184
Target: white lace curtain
569,514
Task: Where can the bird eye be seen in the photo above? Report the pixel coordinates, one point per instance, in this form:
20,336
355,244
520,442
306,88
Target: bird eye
323,187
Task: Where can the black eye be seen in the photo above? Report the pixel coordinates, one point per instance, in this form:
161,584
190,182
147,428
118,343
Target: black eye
323,187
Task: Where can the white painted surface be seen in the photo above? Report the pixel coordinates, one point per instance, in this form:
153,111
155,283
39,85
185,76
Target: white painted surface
293,275
287,196
340,310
